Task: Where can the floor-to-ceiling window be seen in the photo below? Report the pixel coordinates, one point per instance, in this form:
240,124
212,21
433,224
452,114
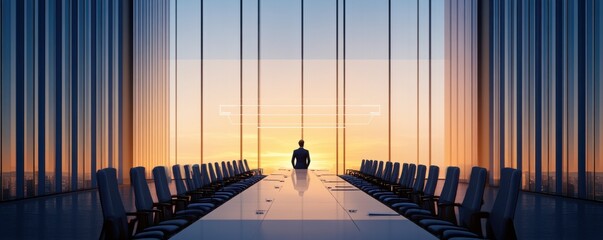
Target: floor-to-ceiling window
355,79
539,87
151,94
62,78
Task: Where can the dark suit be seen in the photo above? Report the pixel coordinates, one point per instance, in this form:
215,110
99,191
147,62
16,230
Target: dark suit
303,158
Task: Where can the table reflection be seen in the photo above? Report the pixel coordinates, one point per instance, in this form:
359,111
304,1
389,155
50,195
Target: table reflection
300,180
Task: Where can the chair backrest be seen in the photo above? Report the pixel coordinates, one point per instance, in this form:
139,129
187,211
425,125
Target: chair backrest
387,171
230,169
235,166
362,165
162,187
219,175
115,224
142,195
472,203
180,188
410,177
246,165
395,173
419,183
241,166
379,172
225,170
375,166
432,180
197,179
451,183
190,184
143,198
402,178
500,220
212,174
367,165
371,169
205,175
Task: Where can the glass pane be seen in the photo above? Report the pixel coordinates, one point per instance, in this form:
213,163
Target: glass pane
280,83
366,82
188,118
319,83
404,82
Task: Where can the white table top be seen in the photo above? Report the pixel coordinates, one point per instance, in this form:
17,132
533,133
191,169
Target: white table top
302,204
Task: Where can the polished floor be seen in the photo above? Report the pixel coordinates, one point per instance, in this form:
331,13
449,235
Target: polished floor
78,216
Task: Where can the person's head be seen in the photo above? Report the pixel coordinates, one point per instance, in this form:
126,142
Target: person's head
301,143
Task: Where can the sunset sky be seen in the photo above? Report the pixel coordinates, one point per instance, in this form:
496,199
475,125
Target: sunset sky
280,79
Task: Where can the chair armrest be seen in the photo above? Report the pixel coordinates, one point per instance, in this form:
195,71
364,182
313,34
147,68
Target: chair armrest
162,204
174,200
151,211
402,189
475,224
181,197
430,197
446,211
195,192
132,214
138,215
449,204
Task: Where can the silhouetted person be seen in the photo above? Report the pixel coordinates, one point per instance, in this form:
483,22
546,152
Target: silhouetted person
302,156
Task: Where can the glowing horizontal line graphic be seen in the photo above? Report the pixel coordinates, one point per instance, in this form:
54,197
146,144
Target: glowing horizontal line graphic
297,114
313,115
233,110
298,127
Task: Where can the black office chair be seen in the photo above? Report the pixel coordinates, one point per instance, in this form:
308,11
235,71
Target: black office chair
222,177
190,196
190,186
151,215
471,206
253,175
500,220
381,183
359,176
447,196
373,182
369,171
353,173
404,195
182,204
217,186
416,199
179,182
395,174
115,217
388,188
406,181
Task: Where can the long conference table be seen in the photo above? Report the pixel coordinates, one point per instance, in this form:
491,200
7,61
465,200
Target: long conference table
303,204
